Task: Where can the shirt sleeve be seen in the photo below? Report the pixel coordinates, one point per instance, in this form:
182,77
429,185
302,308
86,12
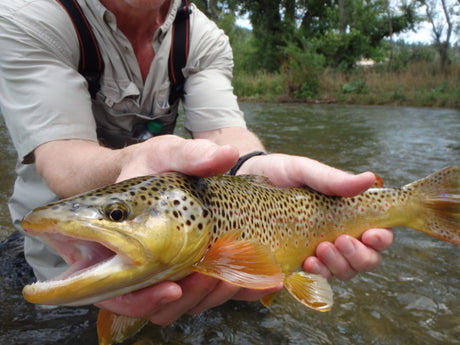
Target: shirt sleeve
42,95
209,101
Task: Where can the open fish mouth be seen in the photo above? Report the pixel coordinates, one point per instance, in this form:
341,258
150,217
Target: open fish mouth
93,273
82,256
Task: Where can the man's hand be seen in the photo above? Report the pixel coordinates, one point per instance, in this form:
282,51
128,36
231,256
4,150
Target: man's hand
198,157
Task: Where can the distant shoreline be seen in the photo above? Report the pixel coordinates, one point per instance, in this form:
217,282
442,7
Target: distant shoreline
420,84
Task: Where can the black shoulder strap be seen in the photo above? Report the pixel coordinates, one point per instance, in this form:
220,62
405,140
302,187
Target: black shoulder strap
91,64
179,51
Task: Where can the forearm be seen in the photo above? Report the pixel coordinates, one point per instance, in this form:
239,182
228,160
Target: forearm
71,167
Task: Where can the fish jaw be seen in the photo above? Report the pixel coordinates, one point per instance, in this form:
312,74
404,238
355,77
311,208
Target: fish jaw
104,263
93,263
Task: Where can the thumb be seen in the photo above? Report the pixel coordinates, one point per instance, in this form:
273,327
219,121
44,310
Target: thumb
203,158
166,153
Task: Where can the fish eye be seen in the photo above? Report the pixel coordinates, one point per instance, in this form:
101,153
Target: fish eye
116,212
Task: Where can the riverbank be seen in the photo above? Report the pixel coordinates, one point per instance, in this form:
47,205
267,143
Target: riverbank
420,84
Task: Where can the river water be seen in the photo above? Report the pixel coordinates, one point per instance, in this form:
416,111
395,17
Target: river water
412,298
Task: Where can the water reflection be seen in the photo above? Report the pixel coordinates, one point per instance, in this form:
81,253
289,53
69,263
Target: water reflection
412,298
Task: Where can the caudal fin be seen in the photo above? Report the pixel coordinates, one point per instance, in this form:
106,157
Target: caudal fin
439,195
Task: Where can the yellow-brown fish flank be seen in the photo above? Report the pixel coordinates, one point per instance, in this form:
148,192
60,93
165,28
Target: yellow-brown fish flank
298,217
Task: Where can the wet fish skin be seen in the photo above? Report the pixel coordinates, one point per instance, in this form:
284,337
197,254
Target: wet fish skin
239,229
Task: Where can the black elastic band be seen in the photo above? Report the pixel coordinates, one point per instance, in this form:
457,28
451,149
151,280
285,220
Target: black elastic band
243,159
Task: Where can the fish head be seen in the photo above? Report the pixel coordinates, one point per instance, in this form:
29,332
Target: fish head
120,238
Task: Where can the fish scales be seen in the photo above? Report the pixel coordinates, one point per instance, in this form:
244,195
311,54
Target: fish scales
240,229
291,222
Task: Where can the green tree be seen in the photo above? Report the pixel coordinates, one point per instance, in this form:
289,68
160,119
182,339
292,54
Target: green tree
359,28
442,25
342,30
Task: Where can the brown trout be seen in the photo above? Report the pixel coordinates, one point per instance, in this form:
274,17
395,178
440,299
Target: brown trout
242,230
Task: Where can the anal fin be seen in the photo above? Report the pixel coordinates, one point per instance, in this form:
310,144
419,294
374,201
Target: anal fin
311,290
113,328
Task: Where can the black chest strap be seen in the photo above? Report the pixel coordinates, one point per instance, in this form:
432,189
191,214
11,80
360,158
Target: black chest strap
179,51
91,64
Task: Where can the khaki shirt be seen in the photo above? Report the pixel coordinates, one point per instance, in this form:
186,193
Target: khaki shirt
44,98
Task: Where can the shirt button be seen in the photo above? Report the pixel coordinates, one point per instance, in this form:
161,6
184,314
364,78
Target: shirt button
108,18
109,102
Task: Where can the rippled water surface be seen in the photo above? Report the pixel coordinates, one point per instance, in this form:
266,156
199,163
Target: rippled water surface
412,298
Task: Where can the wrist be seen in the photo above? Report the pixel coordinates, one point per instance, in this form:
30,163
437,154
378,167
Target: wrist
243,159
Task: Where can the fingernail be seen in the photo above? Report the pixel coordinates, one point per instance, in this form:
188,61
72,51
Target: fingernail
212,152
329,255
315,269
374,242
194,312
164,301
347,248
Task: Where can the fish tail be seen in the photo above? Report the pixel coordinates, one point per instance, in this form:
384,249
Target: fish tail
439,200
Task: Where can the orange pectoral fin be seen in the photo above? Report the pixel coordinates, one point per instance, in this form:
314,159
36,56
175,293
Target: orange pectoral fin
114,328
241,262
